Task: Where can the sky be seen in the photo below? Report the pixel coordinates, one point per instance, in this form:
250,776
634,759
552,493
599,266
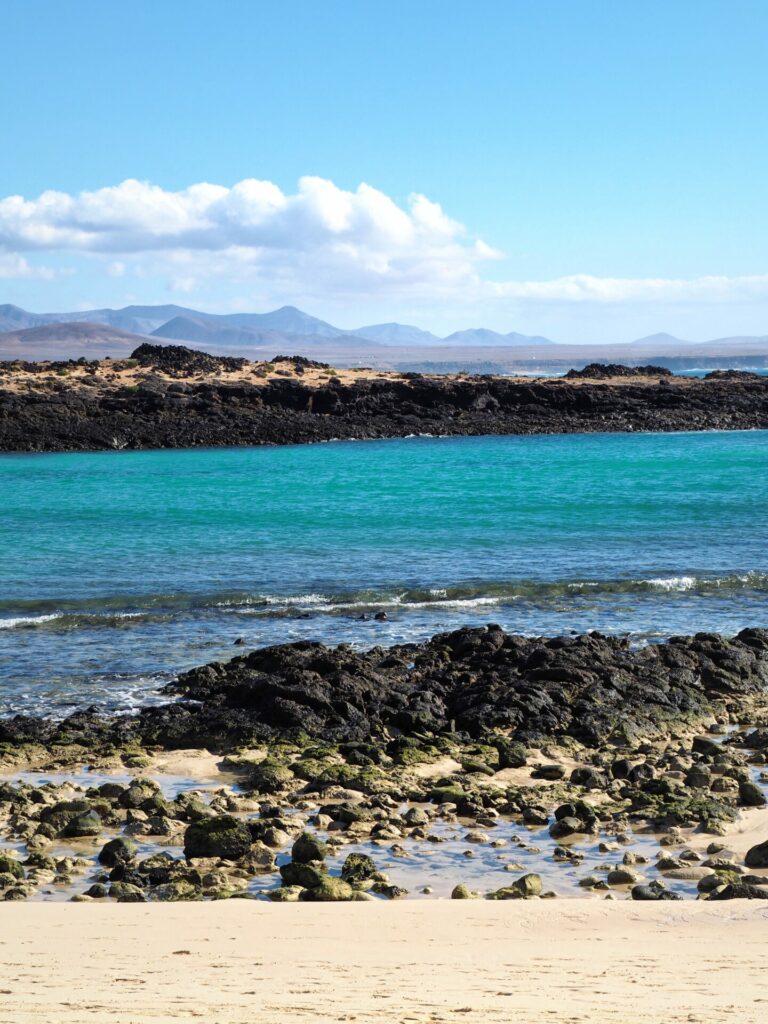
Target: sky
587,170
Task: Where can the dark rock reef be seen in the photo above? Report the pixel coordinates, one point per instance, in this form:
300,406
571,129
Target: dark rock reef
603,371
472,682
174,405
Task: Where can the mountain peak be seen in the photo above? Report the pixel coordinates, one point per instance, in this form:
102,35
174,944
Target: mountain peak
661,338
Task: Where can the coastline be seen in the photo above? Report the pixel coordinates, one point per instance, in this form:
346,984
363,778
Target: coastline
584,962
176,398
480,764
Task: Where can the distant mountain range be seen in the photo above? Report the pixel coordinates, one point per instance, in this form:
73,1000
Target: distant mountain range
287,323
95,333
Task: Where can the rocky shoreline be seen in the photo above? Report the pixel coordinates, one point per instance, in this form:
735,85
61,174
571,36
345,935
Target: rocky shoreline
171,397
524,767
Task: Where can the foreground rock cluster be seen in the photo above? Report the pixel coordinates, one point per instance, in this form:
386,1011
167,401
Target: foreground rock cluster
298,806
548,755
185,399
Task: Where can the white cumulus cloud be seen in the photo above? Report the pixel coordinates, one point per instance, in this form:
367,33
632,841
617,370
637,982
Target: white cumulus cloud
136,216
585,288
319,241
14,266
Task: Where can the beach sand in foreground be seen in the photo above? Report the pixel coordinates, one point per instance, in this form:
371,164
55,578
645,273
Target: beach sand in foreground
241,962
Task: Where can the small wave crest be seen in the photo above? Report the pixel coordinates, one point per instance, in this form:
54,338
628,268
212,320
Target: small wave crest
27,621
134,611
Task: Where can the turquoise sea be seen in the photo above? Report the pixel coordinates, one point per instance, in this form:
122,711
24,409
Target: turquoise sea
117,570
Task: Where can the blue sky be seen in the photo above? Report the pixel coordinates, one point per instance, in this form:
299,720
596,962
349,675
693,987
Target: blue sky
588,170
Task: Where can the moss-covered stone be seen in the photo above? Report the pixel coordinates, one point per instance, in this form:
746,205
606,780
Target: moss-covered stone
473,766
308,848
84,825
61,814
221,836
125,892
358,867
117,851
10,866
751,795
461,892
305,875
526,887
329,890
511,754
270,778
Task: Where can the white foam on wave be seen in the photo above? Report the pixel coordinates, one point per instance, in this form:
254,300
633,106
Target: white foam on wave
673,582
317,603
28,620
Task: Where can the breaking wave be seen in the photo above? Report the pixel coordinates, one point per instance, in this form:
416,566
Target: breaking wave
123,612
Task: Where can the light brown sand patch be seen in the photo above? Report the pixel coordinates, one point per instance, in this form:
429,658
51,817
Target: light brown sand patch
240,962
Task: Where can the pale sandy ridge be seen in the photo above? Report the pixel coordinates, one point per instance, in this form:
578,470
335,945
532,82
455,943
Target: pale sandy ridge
240,962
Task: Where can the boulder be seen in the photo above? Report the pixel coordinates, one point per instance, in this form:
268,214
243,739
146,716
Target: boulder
88,824
307,876
222,836
757,856
461,892
328,890
117,851
308,848
564,827
740,891
751,795
10,866
268,778
358,867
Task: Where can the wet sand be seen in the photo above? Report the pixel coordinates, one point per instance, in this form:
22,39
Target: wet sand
240,962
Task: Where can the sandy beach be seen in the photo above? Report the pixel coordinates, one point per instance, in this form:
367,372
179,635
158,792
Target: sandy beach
240,961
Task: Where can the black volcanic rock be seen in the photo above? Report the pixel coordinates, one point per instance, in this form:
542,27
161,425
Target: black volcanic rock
229,412
593,688
602,371
731,375
180,359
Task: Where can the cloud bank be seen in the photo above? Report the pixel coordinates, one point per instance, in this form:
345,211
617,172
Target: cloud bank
361,237
321,240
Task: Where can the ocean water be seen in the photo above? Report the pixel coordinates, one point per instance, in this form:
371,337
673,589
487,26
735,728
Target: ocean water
120,569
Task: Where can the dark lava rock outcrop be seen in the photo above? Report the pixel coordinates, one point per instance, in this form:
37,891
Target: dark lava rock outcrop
602,371
592,687
173,408
182,360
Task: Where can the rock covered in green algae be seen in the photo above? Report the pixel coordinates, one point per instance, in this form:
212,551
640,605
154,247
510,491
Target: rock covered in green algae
526,887
308,848
461,892
84,825
222,836
10,866
117,851
358,867
125,892
270,778
739,891
59,816
328,890
305,875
